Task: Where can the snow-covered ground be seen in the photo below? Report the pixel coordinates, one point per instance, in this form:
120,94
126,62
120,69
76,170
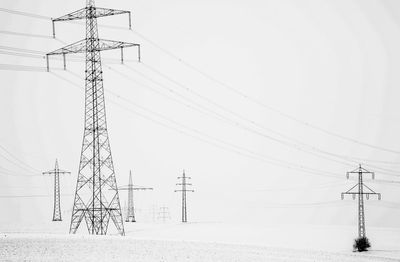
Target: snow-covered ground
197,242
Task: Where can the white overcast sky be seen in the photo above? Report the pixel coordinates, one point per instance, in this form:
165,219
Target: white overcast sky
333,64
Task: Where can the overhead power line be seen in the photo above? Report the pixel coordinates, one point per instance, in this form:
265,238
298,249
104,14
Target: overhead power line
261,103
13,67
27,14
18,159
7,172
29,53
294,146
6,32
29,196
201,136
284,139
11,158
198,135
228,87
305,205
298,145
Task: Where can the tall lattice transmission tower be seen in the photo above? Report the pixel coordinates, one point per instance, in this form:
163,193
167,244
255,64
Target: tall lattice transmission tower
96,197
57,205
184,189
130,216
361,193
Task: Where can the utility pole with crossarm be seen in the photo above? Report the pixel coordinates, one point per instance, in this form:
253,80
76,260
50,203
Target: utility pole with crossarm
361,193
57,205
184,189
130,216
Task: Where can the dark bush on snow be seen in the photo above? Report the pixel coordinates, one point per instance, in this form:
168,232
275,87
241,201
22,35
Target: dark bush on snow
361,244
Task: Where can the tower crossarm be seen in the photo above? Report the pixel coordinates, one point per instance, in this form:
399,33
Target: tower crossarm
75,15
372,192
135,188
360,170
81,13
367,194
142,188
53,171
186,190
93,11
81,47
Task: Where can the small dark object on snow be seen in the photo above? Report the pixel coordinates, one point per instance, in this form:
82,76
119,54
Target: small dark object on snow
361,244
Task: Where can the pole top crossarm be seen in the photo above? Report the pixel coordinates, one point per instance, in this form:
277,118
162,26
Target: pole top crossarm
360,170
142,188
92,12
56,171
96,12
135,188
362,188
80,46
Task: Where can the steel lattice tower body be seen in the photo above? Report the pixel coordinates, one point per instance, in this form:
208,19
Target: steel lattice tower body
184,189
96,197
360,186
130,215
57,205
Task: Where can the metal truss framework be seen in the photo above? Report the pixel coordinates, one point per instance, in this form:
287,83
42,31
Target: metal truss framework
96,197
57,206
130,216
361,193
184,189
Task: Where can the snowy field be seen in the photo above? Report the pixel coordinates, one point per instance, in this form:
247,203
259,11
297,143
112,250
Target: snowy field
198,242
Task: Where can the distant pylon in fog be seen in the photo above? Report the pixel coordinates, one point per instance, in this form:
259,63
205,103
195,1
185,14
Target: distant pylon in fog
184,190
130,216
163,213
57,206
